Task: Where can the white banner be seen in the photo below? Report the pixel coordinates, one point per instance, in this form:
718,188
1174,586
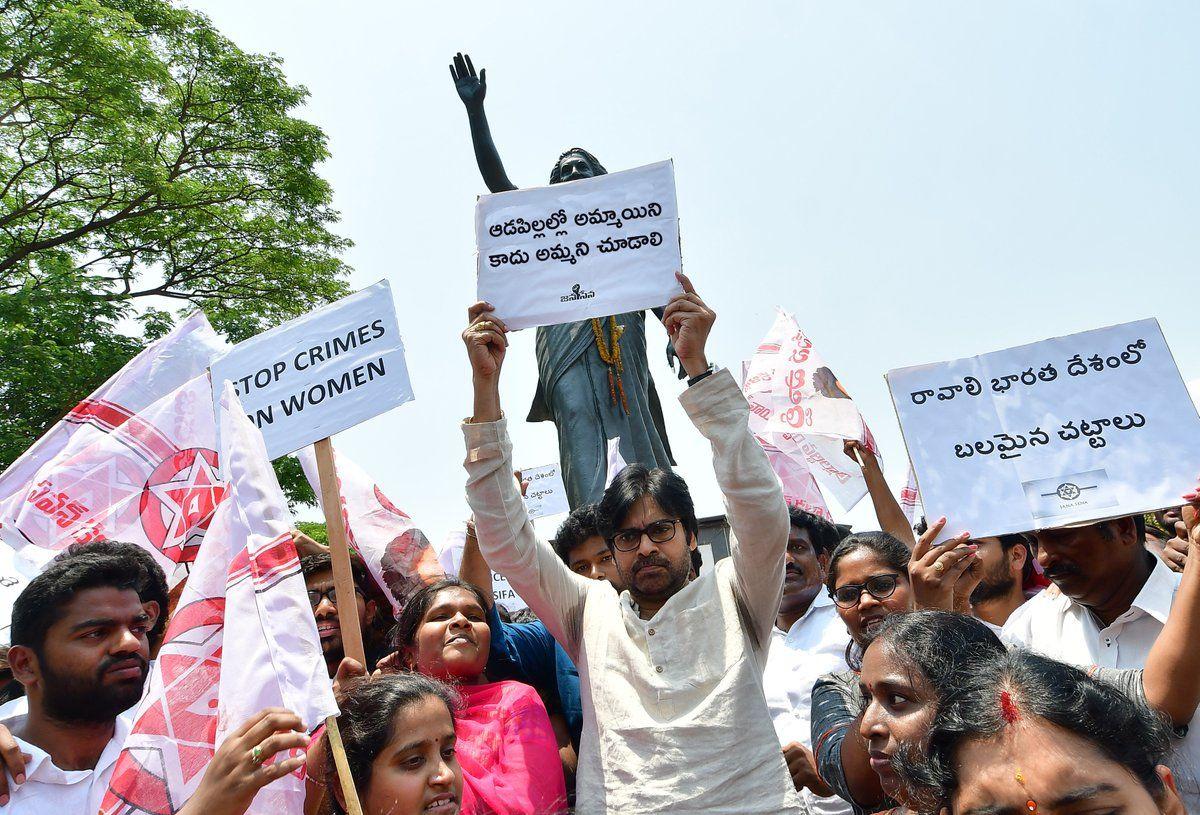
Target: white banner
321,373
800,407
1068,430
544,492
586,248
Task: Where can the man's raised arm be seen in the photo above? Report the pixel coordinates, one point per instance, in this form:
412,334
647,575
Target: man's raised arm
505,533
753,497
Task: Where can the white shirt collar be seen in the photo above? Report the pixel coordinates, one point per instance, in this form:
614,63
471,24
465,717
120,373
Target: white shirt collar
42,768
820,601
1157,592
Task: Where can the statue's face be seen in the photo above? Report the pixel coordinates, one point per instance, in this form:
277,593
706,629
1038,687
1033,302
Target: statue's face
574,167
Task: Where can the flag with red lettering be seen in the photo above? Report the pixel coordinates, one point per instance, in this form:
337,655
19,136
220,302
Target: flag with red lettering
162,366
150,478
799,487
209,678
798,405
396,551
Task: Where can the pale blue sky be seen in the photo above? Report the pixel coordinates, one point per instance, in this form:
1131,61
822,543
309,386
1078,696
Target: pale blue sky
916,181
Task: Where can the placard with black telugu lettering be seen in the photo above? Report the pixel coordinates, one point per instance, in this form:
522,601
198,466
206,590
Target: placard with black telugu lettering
321,373
1069,430
581,249
544,492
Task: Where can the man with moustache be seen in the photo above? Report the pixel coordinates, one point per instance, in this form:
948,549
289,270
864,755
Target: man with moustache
318,580
809,640
80,647
1109,600
670,669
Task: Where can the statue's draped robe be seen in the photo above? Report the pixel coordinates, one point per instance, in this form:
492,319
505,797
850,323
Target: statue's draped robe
573,392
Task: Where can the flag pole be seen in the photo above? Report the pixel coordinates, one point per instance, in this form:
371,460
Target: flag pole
347,604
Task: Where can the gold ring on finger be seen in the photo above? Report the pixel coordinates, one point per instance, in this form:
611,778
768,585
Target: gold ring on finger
256,755
938,566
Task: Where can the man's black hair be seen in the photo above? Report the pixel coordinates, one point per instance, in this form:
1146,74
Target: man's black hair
667,488
581,524
156,587
322,562
824,535
105,564
1007,542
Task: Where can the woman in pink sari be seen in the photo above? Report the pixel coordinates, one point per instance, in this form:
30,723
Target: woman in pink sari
506,745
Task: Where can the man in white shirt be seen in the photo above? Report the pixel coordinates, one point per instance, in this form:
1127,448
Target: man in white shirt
1108,604
81,648
808,641
671,668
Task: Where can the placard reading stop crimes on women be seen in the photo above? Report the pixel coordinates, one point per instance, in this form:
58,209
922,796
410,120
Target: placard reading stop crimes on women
321,373
1068,430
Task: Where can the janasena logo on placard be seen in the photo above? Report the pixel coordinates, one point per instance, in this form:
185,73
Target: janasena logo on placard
178,502
576,294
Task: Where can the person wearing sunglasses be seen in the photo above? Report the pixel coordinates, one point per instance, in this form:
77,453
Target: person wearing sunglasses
670,668
318,579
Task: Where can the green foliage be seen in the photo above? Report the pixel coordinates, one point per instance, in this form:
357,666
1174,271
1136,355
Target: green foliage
315,530
146,164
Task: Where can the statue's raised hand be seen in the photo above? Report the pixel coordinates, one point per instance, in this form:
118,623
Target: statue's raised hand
471,88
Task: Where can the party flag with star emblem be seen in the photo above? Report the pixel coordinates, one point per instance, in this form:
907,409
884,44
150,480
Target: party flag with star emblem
210,677
150,478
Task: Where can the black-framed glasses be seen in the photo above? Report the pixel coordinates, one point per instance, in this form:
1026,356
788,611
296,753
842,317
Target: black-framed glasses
881,587
628,540
315,596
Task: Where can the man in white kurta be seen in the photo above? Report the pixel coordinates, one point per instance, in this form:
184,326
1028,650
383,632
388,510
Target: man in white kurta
675,718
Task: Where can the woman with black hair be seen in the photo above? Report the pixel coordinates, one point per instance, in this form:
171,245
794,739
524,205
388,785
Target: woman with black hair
506,744
913,662
1028,734
871,576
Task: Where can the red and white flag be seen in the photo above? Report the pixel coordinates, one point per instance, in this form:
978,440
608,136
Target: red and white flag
910,499
799,487
396,551
798,405
150,478
164,365
210,678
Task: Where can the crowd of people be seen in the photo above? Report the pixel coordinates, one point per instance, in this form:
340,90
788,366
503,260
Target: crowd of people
812,670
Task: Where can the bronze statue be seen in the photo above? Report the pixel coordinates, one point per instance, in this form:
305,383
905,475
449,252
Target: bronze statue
594,382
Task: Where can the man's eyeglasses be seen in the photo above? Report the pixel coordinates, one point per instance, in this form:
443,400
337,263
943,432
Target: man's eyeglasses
881,587
315,596
628,540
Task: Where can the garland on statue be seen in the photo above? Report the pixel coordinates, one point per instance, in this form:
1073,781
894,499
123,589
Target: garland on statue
611,357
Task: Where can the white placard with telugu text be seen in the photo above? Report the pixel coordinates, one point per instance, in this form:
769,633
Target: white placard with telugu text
1069,430
580,249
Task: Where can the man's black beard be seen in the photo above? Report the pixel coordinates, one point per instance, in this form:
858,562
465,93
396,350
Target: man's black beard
74,699
992,590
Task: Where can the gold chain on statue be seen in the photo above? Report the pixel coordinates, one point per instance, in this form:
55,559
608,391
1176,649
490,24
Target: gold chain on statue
611,357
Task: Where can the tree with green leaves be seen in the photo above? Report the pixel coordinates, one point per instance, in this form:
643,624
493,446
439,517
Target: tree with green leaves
147,166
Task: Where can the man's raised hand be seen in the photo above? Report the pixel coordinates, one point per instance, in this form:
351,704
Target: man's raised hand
688,321
486,346
471,88
485,341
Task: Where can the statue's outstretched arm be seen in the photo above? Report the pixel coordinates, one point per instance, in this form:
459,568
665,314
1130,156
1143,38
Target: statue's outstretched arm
471,90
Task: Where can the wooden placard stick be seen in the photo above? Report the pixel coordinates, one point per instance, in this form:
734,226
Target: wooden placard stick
347,604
